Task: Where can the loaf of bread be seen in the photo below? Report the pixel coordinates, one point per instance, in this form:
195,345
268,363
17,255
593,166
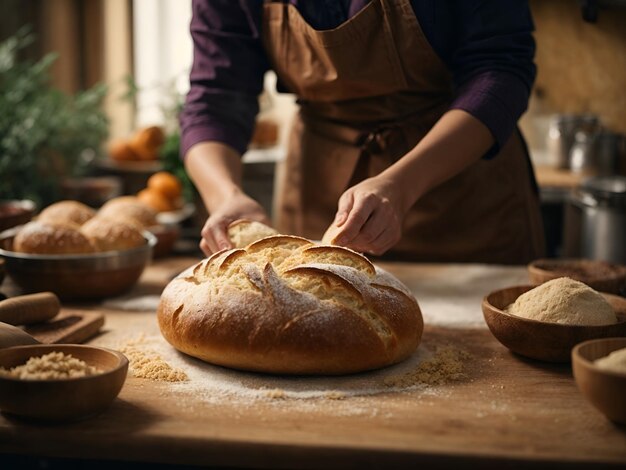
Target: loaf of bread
70,227
50,238
131,209
286,305
112,235
63,212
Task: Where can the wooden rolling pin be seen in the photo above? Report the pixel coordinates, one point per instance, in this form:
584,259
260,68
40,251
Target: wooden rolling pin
29,309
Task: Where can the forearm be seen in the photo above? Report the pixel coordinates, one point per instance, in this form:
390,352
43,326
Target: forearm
215,168
456,141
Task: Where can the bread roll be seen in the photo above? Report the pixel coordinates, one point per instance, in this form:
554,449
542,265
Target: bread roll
112,235
285,305
52,238
243,232
64,212
129,207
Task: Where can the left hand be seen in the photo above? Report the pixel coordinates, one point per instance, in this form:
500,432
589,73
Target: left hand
370,214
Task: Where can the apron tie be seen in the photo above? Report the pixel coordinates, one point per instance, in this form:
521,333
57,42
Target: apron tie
382,140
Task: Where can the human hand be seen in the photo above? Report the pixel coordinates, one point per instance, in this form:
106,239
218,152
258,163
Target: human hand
369,217
215,230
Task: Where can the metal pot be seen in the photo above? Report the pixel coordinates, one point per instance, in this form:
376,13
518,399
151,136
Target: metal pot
595,220
562,133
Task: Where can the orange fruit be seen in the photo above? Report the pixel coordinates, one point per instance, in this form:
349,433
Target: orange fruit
147,142
167,184
156,200
120,150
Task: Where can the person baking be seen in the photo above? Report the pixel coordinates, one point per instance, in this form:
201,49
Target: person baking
406,139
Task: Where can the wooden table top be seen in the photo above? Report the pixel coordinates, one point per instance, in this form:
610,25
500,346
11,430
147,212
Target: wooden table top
505,410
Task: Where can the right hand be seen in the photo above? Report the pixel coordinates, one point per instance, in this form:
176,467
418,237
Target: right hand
215,230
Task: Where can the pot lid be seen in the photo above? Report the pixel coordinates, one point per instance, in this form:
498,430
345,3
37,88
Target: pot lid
609,190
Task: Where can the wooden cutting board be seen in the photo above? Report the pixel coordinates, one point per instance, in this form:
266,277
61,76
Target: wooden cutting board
69,326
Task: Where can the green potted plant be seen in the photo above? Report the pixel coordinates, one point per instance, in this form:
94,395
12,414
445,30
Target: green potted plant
45,134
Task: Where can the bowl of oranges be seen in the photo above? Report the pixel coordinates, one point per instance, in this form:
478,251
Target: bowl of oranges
163,193
140,149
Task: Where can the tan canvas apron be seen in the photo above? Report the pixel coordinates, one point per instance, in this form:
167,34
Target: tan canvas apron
369,91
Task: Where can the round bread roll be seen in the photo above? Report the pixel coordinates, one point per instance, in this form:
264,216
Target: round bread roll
285,305
129,207
64,212
243,232
112,235
51,238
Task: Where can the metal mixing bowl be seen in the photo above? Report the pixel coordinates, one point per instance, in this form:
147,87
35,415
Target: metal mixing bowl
76,277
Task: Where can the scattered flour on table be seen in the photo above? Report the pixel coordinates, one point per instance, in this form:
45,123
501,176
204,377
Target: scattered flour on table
146,363
450,296
426,370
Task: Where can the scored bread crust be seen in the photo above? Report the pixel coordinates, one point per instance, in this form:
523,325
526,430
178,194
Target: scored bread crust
285,305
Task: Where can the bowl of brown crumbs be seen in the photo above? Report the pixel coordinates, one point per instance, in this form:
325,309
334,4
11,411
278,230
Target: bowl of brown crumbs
59,382
599,275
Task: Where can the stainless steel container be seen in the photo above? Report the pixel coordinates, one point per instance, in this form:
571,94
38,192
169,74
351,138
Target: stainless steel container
595,220
562,133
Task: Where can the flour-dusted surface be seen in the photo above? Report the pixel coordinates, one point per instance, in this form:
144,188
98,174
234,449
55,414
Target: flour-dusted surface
450,295
436,363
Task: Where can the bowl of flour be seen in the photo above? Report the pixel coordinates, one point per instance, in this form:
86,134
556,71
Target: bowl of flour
545,322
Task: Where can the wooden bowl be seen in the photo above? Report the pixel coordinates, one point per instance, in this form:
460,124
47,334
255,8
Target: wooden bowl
606,390
62,399
166,237
551,342
76,277
600,275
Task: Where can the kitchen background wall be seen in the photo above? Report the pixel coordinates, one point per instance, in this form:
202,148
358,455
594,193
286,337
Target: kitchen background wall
581,65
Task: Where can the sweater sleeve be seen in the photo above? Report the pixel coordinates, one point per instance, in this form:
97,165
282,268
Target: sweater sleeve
492,63
226,77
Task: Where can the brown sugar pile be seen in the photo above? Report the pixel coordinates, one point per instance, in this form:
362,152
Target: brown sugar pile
584,269
446,365
148,364
51,366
